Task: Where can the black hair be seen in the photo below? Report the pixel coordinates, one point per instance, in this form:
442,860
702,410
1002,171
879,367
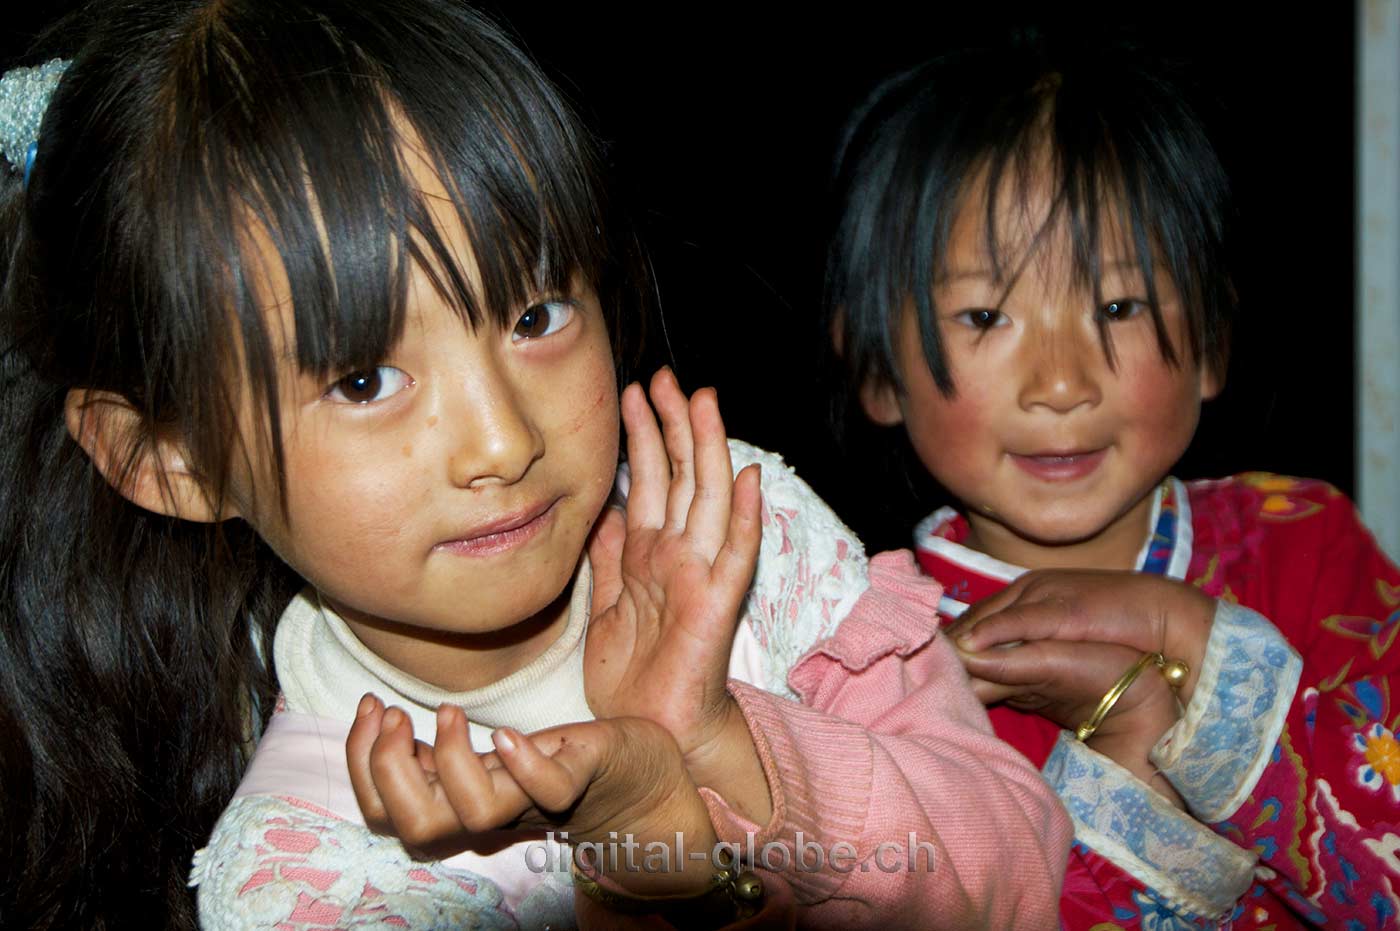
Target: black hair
1120,128
131,683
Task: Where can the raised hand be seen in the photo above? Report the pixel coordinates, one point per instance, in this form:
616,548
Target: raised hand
671,575
669,579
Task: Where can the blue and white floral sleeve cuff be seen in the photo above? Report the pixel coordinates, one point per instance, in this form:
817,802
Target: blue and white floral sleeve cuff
1183,863
1216,753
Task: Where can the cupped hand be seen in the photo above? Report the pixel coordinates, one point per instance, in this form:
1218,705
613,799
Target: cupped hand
598,780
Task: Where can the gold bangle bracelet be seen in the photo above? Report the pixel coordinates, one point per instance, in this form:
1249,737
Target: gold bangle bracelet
1173,670
733,894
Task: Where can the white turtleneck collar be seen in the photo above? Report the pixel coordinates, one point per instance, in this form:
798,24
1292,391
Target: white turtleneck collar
324,669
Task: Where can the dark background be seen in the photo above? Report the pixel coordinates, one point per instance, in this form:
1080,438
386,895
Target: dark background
720,120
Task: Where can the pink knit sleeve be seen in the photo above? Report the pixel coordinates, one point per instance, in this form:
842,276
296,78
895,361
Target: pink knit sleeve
890,764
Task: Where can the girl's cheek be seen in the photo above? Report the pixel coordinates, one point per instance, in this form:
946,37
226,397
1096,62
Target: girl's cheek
1167,402
360,494
950,437
602,407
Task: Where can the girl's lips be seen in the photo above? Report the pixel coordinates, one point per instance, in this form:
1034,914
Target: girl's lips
501,535
1053,467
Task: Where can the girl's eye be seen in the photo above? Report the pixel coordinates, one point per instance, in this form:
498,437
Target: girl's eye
1121,310
981,319
543,319
369,385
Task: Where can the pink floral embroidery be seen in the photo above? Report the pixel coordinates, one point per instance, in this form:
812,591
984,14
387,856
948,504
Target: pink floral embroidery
285,864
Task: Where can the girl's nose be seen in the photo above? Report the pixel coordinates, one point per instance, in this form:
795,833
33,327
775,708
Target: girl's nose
1062,370
497,440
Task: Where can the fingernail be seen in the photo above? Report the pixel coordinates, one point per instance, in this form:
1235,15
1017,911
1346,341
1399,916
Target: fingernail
965,642
444,716
393,718
366,705
503,741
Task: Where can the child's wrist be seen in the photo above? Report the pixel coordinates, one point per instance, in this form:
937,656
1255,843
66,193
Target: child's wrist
1187,634
1131,752
1128,738
630,858
729,893
650,799
727,762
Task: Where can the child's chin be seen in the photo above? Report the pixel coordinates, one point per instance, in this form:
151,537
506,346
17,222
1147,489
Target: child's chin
1062,529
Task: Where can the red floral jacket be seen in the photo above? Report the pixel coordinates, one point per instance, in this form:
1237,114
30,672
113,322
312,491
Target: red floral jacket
1286,756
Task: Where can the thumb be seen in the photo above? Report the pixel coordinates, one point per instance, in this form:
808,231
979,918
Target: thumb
605,556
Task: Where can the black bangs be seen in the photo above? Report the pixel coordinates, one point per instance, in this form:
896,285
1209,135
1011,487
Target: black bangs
325,152
299,123
1128,170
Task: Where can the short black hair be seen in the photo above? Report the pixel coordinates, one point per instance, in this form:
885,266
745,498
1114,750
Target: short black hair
1118,124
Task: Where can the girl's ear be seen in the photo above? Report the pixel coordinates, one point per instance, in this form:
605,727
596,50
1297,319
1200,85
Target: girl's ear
1211,381
152,473
879,398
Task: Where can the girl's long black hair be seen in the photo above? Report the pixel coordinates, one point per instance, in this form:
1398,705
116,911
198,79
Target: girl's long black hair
132,682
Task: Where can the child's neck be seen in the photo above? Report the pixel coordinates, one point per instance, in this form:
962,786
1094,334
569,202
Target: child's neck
1115,547
461,662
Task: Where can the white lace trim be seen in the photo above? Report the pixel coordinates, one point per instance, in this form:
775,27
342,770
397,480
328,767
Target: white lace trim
1216,753
1184,863
811,570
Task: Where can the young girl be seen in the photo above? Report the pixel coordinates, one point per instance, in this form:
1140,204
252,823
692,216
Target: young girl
1029,276
309,316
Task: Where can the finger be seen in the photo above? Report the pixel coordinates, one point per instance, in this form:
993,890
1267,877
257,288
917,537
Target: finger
737,558
417,814
1023,620
547,779
989,693
1031,663
363,733
481,799
671,404
1061,670
709,517
605,556
1054,611
646,458
426,757
991,604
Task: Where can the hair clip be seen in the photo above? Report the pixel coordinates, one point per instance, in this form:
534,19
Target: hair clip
24,96
29,155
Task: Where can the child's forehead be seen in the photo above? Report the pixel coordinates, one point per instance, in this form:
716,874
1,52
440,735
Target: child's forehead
1022,220
263,250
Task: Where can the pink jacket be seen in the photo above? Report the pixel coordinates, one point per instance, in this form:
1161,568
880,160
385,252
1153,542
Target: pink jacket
888,743
888,747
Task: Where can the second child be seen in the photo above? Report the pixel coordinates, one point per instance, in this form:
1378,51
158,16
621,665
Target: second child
1030,279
